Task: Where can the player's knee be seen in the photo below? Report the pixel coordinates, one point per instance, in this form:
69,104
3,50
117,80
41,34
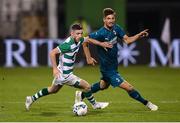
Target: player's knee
87,88
130,87
55,91
52,90
103,85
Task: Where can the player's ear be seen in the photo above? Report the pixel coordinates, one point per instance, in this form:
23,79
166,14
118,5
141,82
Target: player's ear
72,32
103,19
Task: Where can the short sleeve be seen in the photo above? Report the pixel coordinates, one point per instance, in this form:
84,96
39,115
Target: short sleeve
95,35
64,47
120,32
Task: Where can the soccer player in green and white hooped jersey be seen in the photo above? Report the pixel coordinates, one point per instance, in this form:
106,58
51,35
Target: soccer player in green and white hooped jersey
63,73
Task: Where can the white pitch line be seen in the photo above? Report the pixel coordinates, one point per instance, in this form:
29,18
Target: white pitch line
170,101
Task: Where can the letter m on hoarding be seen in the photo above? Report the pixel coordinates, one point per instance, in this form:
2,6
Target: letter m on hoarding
164,57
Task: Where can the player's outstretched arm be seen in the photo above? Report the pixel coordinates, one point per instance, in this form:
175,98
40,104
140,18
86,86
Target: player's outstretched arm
131,39
87,53
53,53
102,44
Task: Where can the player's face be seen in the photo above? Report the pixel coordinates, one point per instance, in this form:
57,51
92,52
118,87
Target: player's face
77,34
109,21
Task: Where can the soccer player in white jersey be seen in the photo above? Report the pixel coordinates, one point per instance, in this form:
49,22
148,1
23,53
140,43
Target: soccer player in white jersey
63,72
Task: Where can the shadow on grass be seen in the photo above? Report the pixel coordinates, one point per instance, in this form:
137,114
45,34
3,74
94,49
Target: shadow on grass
48,114
95,112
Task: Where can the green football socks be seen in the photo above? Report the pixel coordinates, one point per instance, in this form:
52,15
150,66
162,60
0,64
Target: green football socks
41,93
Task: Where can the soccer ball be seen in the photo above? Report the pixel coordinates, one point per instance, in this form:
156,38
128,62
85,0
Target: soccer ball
80,108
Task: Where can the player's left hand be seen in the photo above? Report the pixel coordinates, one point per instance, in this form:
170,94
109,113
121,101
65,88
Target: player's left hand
56,73
91,61
143,33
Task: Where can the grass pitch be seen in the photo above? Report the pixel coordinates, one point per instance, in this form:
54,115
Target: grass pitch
160,85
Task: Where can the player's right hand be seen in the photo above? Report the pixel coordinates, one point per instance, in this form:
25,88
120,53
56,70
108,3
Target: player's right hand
106,45
91,61
143,33
56,73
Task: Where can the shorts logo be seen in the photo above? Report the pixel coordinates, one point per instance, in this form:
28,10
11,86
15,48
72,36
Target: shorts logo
107,39
117,79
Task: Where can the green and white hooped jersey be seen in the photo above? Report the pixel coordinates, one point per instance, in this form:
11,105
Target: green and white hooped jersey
68,50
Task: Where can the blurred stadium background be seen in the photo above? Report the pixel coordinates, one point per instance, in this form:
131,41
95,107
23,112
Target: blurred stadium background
29,29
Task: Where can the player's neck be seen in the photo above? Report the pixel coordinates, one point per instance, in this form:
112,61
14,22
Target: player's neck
108,28
76,42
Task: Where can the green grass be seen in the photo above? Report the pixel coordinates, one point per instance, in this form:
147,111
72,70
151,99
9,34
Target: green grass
160,85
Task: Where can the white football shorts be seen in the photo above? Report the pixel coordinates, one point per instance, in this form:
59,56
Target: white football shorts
69,80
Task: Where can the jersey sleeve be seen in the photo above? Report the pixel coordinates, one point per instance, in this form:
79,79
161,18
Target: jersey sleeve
120,32
64,47
95,35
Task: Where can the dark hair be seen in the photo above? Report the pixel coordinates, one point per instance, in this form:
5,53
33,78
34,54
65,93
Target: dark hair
108,11
76,26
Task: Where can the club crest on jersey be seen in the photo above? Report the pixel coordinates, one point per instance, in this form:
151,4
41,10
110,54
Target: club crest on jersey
114,32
